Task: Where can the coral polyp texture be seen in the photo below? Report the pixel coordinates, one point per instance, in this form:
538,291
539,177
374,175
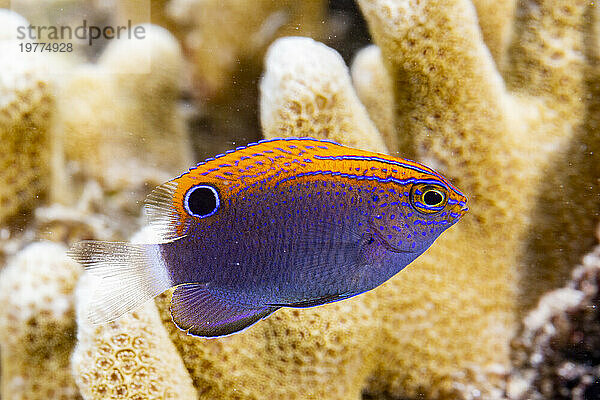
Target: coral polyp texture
496,23
131,358
122,113
307,91
26,108
37,324
294,354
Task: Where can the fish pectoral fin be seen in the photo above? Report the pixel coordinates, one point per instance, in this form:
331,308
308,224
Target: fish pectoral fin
162,215
199,312
331,298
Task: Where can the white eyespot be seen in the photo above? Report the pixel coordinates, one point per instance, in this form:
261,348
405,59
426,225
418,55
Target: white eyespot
201,201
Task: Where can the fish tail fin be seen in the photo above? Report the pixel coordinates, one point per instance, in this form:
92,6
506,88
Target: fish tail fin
131,274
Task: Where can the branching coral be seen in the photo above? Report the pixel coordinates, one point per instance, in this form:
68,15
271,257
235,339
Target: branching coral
307,92
219,35
451,101
122,114
496,23
504,129
26,107
441,329
452,105
131,358
374,89
568,201
294,354
427,308
37,324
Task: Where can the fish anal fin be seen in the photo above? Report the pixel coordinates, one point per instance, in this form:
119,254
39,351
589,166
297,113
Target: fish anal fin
319,300
199,312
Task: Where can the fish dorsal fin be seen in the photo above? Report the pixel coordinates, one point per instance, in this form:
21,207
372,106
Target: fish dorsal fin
199,312
162,216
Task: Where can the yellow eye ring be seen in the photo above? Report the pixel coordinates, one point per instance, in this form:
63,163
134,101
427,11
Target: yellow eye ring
428,198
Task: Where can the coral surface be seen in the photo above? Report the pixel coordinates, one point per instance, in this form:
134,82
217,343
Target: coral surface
496,22
374,89
26,107
131,358
455,111
558,352
306,91
294,354
121,114
37,325
219,35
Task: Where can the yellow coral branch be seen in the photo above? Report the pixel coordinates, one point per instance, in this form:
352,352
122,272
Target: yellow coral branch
374,89
131,358
306,91
37,324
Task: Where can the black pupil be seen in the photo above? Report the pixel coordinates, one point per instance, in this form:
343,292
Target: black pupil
432,198
202,201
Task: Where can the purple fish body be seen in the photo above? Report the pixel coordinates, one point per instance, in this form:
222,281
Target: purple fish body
322,243
281,223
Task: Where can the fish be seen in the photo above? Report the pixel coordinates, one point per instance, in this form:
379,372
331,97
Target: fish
295,222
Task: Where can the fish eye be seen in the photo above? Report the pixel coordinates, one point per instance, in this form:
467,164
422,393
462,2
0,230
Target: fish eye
201,201
427,198
433,198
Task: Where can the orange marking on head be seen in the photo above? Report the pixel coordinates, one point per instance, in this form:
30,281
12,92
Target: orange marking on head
259,164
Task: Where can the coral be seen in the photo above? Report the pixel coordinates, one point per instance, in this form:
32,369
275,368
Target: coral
432,343
26,108
294,354
496,22
218,35
306,91
144,11
66,224
452,103
442,328
37,324
225,42
567,79
558,352
131,358
120,118
374,89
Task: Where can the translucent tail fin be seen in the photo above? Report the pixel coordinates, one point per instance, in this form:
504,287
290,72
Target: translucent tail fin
131,274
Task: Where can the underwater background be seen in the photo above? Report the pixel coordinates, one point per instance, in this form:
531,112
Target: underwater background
502,97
